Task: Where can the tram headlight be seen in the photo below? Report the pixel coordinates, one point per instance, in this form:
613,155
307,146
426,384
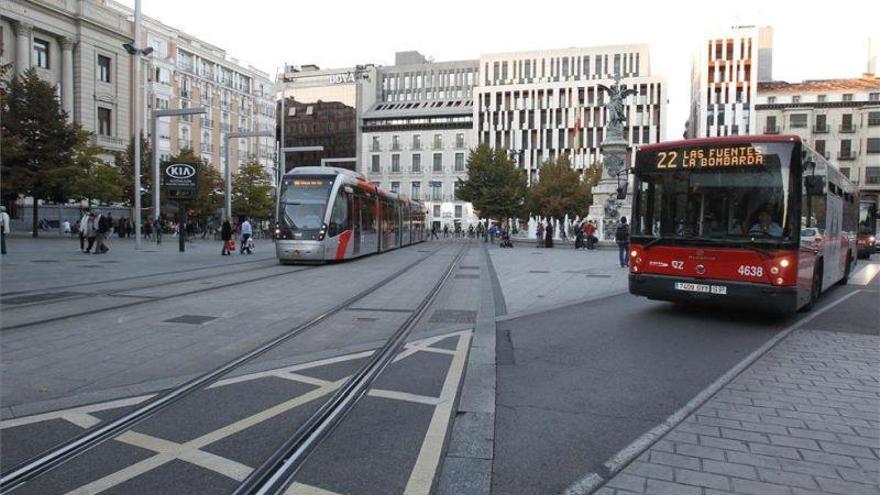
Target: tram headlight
322,232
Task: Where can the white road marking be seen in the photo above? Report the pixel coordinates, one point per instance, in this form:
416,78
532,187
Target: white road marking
865,274
83,420
403,396
207,460
301,489
421,477
26,420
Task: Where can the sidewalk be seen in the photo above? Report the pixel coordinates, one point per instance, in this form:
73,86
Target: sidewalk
802,420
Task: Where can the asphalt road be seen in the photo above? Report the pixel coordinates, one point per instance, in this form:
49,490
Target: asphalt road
576,385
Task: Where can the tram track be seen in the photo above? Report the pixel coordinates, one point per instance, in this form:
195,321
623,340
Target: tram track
97,435
276,474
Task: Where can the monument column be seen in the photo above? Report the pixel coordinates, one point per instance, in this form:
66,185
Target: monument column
23,46
67,77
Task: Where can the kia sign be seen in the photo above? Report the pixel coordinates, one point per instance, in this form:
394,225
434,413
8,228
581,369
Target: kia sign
180,178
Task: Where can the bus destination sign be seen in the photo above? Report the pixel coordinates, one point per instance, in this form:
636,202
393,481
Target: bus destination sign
710,157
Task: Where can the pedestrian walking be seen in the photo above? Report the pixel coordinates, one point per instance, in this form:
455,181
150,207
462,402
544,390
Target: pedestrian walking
226,237
589,232
579,238
434,232
548,235
90,231
4,228
493,231
104,224
540,234
446,231
246,233
621,235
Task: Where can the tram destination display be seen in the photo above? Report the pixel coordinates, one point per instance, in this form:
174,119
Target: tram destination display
181,179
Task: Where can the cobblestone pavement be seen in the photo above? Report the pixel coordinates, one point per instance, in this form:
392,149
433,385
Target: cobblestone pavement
802,420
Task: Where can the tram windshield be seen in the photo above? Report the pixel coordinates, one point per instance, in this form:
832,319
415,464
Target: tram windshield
303,202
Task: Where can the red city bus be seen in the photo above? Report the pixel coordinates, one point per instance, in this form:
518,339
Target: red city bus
760,222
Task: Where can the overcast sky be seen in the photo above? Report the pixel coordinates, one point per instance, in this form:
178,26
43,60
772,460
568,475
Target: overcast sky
810,42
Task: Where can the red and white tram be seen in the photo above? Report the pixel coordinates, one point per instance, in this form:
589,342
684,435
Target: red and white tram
333,214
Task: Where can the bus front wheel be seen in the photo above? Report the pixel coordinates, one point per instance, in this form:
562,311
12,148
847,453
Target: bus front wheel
815,287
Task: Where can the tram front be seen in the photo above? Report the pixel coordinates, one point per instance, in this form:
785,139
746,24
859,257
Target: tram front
300,228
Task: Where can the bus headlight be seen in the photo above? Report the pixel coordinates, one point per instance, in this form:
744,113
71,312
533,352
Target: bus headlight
779,281
633,253
784,263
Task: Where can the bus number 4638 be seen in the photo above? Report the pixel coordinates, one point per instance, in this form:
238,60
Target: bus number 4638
750,271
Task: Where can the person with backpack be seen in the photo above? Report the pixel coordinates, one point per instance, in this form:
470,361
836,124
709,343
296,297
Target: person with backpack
621,235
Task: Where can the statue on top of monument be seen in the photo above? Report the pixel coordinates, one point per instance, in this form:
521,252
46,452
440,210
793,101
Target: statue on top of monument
615,105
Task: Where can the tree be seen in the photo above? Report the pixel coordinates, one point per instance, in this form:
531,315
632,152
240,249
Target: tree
40,147
560,191
125,163
96,180
494,186
252,192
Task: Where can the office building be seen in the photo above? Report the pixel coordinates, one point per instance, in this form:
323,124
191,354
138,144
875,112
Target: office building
419,131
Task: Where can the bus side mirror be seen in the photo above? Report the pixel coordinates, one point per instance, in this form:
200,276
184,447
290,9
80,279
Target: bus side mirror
815,185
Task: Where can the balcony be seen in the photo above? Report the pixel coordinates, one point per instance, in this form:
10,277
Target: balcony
847,155
184,144
207,148
847,128
207,123
771,129
820,129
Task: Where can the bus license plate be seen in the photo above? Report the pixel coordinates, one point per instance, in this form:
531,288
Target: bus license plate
701,288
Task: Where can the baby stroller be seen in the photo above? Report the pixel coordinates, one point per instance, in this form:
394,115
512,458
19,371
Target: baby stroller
505,240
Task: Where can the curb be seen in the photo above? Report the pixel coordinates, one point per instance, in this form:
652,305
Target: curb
613,466
467,464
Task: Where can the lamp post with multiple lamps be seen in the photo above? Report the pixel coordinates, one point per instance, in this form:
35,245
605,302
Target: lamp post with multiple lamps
137,52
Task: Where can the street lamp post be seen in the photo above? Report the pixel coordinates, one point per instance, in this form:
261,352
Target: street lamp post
157,114
136,53
227,176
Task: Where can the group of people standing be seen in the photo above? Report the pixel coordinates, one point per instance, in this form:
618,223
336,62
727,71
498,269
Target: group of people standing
585,238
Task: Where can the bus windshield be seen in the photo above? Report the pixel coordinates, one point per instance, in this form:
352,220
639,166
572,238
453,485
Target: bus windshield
730,193
303,201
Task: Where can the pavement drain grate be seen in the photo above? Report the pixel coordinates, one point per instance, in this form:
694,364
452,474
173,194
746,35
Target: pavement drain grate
597,275
366,318
90,266
44,261
109,261
468,267
467,276
453,316
191,319
539,271
31,298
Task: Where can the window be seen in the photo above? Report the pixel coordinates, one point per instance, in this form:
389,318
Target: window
820,146
436,211
417,142
104,68
455,186
796,99
416,190
821,98
395,187
847,97
438,141
873,119
873,146
459,162
374,166
416,163
104,122
436,191
821,123
872,175
874,97
457,211
845,171
438,162
395,142
395,162
375,146
845,148
41,53
771,100
797,120
770,127
459,140
847,123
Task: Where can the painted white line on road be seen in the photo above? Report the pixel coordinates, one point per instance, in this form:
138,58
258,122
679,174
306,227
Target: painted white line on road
227,467
404,396
421,479
298,488
587,484
26,420
865,274
296,367
83,420
151,463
